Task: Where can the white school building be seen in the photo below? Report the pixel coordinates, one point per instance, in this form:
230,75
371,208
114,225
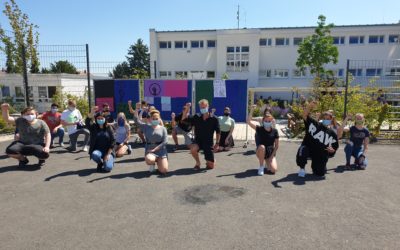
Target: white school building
267,56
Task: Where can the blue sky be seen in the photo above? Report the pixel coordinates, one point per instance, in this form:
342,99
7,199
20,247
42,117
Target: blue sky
109,27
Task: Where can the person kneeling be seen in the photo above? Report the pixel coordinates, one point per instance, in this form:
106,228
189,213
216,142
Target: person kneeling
31,132
102,141
268,143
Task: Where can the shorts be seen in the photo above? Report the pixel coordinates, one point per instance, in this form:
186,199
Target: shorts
268,151
187,135
18,147
162,153
222,139
207,149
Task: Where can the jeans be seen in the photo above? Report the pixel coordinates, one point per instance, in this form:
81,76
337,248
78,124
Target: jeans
74,137
60,134
356,152
97,156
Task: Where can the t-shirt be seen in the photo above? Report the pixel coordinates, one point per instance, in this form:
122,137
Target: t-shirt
226,123
267,138
318,137
52,119
261,121
204,129
121,132
184,125
71,117
31,133
103,139
357,136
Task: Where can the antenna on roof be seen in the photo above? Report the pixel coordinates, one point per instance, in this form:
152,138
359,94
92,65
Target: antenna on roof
237,16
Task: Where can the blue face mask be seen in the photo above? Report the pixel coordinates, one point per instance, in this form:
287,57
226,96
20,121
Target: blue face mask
121,122
155,122
326,122
101,121
203,111
267,124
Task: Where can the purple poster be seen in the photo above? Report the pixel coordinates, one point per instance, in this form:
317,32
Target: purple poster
153,88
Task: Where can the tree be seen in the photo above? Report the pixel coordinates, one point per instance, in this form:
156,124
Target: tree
61,67
318,50
122,70
139,59
24,38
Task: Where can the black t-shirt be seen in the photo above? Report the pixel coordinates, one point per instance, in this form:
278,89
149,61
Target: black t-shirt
184,125
103,141
267,138
204,129
357,136
318,137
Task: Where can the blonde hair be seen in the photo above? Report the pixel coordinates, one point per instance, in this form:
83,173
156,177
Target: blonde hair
155,112
203,101
122,115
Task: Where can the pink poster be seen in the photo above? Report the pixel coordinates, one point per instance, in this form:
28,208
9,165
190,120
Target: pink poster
176,88
153,88
109,100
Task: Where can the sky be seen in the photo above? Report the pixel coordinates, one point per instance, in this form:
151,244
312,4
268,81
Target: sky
110,27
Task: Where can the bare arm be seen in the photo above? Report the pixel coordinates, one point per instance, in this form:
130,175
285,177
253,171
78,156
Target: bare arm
249,118
366,142
130,107
173,122
276,146
185,113
5,113
308,109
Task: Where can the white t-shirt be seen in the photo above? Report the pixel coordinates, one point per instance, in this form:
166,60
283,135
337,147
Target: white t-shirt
71,117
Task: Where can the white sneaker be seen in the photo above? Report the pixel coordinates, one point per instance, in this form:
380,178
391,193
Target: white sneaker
85,149
62,144
152,168
261,170
302,173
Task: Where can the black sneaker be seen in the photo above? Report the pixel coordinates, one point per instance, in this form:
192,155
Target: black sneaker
99,167
41,162
70,149
23,162
129,150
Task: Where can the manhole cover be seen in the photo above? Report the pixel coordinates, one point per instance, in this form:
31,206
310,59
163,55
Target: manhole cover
201,195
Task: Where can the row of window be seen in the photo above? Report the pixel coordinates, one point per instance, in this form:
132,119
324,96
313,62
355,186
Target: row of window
185,74
296,73
184,44
43,92
339,40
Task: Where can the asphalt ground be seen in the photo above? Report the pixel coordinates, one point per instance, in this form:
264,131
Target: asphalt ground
68,205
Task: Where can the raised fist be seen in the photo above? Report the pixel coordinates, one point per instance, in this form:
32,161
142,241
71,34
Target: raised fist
173,115
5,106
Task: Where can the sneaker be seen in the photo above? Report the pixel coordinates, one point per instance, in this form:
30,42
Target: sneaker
23,162
41,162
71,149
62,144
302,173
152,168
99,167
197,167
129,149
85,148
261,170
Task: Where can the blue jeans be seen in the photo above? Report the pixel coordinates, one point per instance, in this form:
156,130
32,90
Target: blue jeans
60,134
97,156
356,152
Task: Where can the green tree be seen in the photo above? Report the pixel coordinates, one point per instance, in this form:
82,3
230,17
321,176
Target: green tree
61,67
139,59
318,50
25,37
122,71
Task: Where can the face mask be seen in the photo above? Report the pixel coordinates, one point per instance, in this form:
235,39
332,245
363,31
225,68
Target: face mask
326,122
359,122
267,124
54,110
121,122
101,121
203,111
106,110
71,108
155,122
29,118
227,114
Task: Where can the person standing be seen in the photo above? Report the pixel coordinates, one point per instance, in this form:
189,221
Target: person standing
204,127
34,136
182,127
53,121
268,142
71,118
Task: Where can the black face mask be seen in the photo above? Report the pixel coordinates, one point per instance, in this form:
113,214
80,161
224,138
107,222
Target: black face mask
227,114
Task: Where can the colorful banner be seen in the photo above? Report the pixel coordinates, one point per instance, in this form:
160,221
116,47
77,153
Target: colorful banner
204,90
153,88
176,88
219,89
109,100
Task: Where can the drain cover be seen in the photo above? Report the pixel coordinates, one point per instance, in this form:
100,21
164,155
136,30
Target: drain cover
201,195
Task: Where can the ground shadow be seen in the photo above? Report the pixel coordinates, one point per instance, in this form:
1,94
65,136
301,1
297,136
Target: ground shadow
342,168
135,175
296,179
27,168
2,157
248,152
140,159
81,173
182,172
242,175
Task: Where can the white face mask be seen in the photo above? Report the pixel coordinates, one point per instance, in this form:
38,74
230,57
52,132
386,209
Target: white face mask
29,118
71,108
54,110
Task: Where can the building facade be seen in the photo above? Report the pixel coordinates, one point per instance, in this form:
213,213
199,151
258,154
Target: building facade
267,56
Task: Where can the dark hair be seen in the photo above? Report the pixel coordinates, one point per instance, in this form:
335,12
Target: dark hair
71,102
105,105
144,103
54,105
27,109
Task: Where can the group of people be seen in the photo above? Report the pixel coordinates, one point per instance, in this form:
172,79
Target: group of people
106,138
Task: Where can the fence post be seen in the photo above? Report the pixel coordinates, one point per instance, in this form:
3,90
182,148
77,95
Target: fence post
88,77
25,76
155,69
346,88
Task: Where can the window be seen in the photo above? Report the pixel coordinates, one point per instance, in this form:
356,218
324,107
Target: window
376,39
297,40
19,94
297,73
211,43
391,72
281,73
237,58
165,45
5,91
394,38
355,72
196,44
52,91
373,72
338,40
356,40
181,74
281,41
165,74
180,44
340,73
210,74
265,42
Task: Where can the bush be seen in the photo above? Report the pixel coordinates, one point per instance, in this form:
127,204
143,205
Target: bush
81,101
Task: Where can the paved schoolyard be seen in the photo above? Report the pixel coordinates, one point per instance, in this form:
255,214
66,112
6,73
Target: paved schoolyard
67,205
